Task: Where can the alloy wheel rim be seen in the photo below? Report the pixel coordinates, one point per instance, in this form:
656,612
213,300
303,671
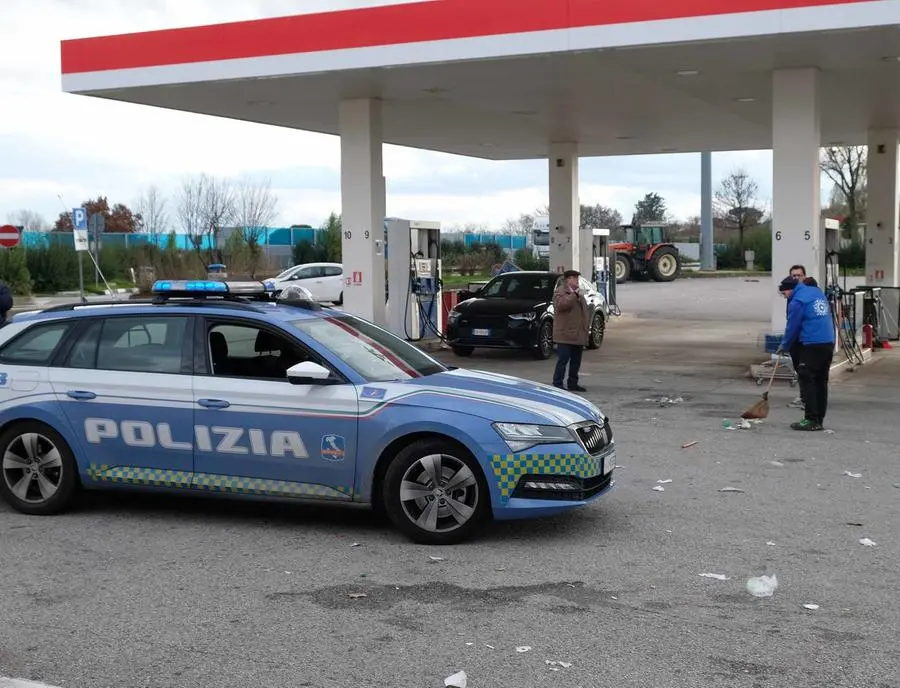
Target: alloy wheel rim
597,330
32,468
439,493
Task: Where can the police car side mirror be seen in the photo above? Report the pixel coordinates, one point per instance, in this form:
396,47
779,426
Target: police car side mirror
308,373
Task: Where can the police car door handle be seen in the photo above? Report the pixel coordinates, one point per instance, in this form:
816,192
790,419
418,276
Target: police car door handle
214,403
80,394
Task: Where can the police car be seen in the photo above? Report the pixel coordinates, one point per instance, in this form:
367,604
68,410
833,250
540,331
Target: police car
218,387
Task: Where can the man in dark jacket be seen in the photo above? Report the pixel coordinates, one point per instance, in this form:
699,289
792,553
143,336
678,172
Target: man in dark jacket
809,322
571,328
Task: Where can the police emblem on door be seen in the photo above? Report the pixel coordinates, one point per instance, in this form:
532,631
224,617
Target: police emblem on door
333,447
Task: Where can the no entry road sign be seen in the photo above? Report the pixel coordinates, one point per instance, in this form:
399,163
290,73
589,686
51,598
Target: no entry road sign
9,236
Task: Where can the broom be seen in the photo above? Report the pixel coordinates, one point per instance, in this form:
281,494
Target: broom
760,409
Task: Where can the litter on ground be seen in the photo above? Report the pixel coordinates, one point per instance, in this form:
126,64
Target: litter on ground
553,663
731,489
717,576
523,648
459,680
762,586
811,606
436,558
852,475
664,482
686,445
776,463
659,488
770,543
866,542
357,595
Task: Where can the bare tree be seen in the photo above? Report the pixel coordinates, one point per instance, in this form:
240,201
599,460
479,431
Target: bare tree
29,220
151,206
846,167
206,205
256,206
736,204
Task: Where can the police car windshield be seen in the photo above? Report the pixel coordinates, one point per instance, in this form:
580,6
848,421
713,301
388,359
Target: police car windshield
376,355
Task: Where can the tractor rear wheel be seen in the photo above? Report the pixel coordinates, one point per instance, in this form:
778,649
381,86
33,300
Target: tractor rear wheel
665,265
623,268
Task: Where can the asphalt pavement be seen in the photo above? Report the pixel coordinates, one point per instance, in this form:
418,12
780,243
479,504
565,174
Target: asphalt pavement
149,591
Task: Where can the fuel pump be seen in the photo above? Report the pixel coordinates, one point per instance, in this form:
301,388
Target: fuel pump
414,279
830,270
596,265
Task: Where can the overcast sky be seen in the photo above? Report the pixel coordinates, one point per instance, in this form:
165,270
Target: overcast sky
54,144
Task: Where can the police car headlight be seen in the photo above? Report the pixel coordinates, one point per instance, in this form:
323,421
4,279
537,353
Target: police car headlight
523,316
521,436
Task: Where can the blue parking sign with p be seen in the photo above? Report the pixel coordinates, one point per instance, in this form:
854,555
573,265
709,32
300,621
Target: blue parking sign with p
79,218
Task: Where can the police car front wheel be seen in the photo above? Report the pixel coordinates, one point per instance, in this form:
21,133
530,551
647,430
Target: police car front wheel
435,493
37,469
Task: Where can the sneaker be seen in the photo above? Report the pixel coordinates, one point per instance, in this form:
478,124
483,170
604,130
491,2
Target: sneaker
807,426
577,388
797,403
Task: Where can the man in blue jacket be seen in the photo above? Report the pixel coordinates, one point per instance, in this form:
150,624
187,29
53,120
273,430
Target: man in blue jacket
809,322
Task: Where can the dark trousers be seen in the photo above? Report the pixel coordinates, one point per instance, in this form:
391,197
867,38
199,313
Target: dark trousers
795,359
815,367
568,354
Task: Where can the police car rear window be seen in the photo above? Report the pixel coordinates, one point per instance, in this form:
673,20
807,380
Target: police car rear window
36,345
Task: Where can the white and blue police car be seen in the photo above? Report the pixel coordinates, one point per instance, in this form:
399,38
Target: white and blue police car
218,387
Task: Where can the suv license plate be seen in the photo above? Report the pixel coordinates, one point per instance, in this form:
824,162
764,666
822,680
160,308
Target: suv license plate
481,333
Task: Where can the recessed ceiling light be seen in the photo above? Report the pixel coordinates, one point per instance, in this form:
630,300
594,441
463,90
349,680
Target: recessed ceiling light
746,100
688,72
891,58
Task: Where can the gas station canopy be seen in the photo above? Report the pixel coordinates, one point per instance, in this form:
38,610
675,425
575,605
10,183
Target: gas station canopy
503,79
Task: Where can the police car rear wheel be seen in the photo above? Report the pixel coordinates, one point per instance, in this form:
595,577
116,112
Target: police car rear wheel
37,469
435,493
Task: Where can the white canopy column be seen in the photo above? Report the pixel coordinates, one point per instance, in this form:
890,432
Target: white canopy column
363,208
565,208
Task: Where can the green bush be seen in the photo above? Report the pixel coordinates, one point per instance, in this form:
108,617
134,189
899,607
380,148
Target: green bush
14,270
525,260
758,240
853,256
307,252
53,268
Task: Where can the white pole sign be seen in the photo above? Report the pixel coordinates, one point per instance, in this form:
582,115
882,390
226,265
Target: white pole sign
79,229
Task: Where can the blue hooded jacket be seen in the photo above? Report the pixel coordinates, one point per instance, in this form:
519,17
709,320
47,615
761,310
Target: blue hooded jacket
809,318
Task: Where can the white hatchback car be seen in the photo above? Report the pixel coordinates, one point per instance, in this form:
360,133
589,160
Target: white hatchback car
325,281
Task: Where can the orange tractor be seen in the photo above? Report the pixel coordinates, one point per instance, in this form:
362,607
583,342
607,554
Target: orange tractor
642,253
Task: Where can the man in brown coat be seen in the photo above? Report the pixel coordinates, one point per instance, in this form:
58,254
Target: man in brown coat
571,328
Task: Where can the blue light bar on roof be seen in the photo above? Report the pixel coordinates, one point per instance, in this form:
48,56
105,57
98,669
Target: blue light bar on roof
190,287
199,287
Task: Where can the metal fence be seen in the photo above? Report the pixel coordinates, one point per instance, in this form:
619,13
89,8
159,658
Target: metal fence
269,236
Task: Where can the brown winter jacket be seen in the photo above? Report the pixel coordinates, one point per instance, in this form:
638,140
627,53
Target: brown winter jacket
571,318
